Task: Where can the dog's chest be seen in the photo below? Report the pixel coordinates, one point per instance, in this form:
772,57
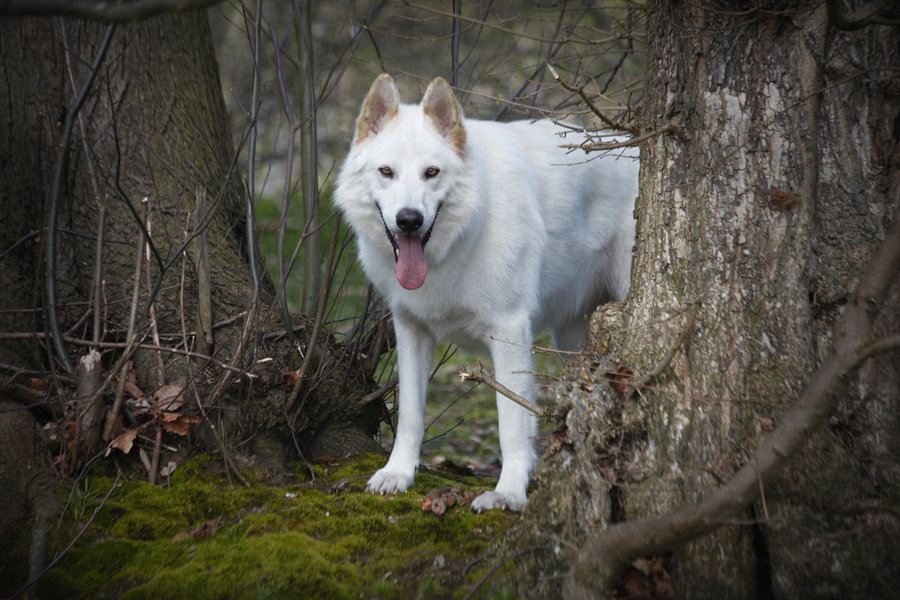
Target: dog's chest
459,324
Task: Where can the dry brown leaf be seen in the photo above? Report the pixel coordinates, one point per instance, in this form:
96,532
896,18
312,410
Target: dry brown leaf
179,423
440,499
132,389
288,380
169,397
123,442
202,531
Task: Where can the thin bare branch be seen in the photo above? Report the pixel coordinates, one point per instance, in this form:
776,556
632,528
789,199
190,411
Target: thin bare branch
481,376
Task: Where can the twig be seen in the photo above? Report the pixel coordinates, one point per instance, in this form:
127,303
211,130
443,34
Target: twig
113,415
151,305
377,393
200,257
594,109
154,462
480,375
633,141
317,326
59,180
249,198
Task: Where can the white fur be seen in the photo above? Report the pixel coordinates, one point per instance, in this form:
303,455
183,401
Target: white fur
528,237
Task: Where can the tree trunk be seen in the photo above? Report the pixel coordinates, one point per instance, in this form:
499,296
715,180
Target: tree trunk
755,220
151,152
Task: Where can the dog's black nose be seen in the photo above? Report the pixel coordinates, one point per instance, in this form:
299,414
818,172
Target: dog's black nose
409,219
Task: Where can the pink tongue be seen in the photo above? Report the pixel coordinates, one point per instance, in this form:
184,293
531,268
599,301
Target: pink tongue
411,265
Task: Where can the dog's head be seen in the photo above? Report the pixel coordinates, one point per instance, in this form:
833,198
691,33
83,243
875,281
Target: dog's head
403,173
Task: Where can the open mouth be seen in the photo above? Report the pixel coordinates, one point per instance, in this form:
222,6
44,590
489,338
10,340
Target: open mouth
409,254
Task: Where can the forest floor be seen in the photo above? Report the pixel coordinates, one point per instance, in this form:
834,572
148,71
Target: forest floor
201,534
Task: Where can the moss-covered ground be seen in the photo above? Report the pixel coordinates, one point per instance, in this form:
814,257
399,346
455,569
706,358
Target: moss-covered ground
197,536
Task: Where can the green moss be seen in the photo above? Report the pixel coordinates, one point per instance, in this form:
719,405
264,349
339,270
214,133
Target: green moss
329,540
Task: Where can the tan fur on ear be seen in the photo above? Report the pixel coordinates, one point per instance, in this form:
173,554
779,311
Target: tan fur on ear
379,107
445,113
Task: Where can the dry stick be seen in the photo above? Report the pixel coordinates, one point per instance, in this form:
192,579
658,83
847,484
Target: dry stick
161,371
378,393
593,108
480,375
852,345
200,256
154,329
113,414
320,315
101,201
252,244
205,298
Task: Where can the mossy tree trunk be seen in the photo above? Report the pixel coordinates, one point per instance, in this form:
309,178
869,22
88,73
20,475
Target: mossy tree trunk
151,151
755,221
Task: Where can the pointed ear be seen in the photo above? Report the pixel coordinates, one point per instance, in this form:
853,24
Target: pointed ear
445,113
379,107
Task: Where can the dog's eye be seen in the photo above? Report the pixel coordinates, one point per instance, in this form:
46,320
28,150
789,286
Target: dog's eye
386,171
431,172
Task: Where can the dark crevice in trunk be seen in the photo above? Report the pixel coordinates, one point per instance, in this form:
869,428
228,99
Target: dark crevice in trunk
764,590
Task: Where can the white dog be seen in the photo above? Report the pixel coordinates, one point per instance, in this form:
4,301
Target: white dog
482,233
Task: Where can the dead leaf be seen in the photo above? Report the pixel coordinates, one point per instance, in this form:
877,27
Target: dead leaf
169,397
179,423
560,439
132,389
123,442
440,499
288,380
204,530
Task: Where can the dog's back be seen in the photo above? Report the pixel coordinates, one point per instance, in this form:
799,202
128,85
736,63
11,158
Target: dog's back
585,204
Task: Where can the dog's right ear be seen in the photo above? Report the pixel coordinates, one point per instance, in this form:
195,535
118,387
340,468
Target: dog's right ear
379,107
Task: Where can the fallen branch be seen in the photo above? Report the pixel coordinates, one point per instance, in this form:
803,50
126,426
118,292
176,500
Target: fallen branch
604,555
481,376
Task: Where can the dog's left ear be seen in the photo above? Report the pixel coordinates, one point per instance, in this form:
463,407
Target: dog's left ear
445,113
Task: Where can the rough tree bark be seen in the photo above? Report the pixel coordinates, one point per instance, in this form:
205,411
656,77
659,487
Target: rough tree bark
756,218
150,146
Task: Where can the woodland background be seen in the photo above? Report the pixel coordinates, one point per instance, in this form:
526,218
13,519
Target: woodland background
190,357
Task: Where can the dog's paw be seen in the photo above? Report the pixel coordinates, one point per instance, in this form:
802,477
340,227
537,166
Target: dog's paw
498,500
387,481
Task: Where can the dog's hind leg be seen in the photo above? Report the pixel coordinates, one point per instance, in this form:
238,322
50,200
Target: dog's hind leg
415,350
511,357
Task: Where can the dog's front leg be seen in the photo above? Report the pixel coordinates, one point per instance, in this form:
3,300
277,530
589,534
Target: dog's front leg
511,355
415,350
